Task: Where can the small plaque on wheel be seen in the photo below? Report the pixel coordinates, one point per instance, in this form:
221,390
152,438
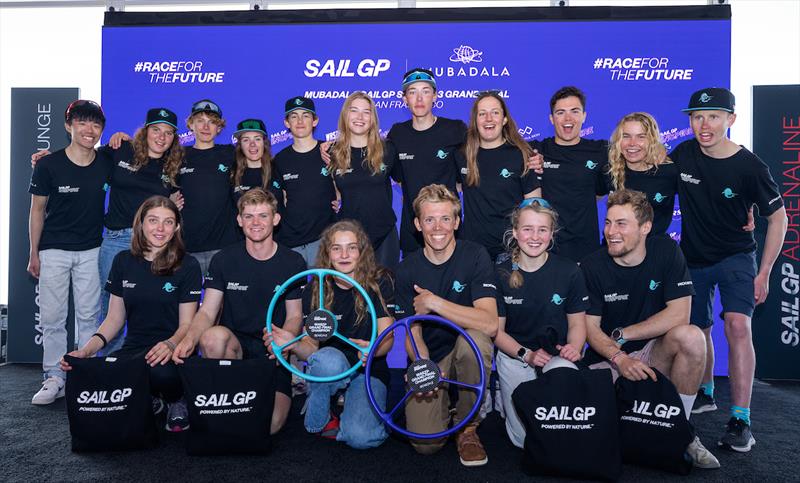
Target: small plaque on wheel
320,325
423,375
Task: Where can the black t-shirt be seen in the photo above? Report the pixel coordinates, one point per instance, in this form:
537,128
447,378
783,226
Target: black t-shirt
573,177
251,178
248,286
209,216
624,296
423,158
309,193
344,310
544,299
715,196
367,198
660,184
467,276
130,186
76,200
488,206
152,301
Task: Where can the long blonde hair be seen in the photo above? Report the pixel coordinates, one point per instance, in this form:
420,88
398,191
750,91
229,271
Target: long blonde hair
656,152
515,279
473,143
340,158
367,272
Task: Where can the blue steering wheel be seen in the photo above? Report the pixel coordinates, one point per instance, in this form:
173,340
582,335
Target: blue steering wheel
321,324
424,375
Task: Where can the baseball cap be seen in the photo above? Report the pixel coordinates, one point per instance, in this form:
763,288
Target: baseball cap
163,115
251,125
206,105
712,99
418,75
299,102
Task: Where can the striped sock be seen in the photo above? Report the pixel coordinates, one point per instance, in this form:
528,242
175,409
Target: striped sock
741,413
708,388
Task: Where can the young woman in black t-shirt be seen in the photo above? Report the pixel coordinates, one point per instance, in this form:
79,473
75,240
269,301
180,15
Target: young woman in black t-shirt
493,172
360,165
253,168
155,286
345,247
541,296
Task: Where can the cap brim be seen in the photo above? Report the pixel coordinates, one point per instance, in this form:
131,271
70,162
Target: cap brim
691,109
301,109
160,122
249,130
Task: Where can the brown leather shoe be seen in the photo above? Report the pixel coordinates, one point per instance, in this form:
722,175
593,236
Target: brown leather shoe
470,449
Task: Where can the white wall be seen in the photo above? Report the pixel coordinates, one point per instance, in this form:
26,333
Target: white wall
60,47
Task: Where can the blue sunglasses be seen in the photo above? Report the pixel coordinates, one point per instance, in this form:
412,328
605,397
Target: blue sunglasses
539,201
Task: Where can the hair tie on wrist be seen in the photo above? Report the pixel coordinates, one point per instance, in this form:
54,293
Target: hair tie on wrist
102,338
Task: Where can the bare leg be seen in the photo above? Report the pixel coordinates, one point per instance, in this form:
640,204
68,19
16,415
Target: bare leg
741,358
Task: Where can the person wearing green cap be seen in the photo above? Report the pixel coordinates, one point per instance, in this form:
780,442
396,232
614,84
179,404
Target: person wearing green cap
253,167
719,182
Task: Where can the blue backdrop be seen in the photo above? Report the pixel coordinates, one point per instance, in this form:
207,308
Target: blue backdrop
250,71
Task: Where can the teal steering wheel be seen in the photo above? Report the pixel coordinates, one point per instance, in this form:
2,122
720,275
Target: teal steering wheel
321,324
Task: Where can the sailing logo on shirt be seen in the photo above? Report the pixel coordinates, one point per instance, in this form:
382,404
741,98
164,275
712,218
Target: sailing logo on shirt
505,173
127,284
458,286
654,285
688,178
441,154
236,286
590,164
705,98
512,301
168,287
383,168
106,187
222,168
556,299
551,165
728,193
324,171
405,156
658,197
276,185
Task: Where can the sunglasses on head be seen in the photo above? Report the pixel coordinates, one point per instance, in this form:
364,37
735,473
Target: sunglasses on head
539,201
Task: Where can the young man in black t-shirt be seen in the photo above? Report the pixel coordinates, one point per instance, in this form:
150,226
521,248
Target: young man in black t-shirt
240,283
68,191
719,182
306,183
640,295
455,280
425,146
573,174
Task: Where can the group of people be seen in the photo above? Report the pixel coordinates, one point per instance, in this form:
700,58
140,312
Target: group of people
525,259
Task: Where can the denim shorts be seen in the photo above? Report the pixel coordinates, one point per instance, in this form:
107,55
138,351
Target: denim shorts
734,277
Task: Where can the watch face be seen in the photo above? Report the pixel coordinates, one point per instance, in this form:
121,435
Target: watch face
616,334
521,352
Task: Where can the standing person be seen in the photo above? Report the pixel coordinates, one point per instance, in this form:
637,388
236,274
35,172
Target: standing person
720,181
155,286
360,164
494,174
455,280
537,291
303,175
240,284
345,247
68,190
573,180
640,294
254,161
424,147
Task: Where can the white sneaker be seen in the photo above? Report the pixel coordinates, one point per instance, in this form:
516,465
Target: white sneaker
52,389
702,457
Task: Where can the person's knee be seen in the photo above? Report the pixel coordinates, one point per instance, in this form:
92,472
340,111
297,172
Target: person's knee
328,361
737,327
213,342
690,340
428,447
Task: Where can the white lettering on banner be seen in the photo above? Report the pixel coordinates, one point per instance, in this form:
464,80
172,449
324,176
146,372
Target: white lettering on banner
471,71
341,68
641,68
790,309
43,121
178,72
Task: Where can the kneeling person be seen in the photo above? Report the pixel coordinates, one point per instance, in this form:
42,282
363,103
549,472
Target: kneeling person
455,280
241,282
640,296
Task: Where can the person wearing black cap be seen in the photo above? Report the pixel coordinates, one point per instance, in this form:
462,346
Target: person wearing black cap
719,182
254,161
424,147
305,179
68,190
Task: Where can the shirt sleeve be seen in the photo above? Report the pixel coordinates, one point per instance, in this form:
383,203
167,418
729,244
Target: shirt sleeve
529,182
601,185
500,275
403,295
460,163
386,286
114,282
764,190
40,179
578,296
192,281
483,283
214,278
677,280
295,291
593,288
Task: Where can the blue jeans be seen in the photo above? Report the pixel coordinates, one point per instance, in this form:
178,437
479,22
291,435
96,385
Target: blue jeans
114,241
360,426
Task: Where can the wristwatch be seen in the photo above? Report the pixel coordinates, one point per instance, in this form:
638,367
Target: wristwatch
616,334
522,353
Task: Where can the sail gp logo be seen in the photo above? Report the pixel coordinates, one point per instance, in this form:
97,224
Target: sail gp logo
458,286
466,54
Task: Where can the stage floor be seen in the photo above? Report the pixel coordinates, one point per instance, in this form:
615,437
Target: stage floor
36,447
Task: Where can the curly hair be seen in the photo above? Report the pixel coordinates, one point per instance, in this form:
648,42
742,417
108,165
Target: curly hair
656,153
173,157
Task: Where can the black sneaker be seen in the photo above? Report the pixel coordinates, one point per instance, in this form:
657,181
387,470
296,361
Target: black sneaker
704,403
158,406
737,436
177,417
